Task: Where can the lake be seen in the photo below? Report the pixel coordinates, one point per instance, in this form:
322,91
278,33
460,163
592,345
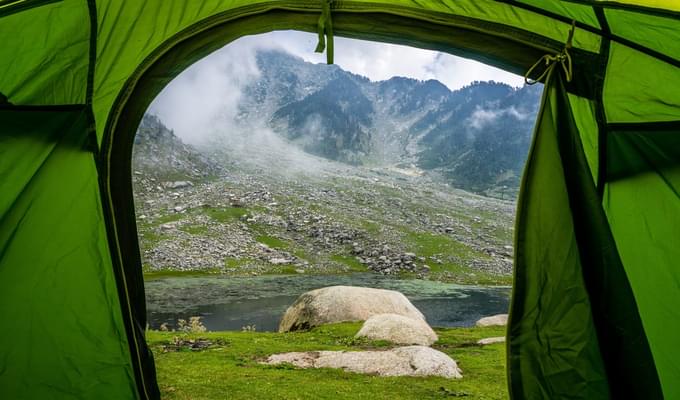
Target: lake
230,303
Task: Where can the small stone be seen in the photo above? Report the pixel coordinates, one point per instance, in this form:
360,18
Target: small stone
280,261
178,184
491,340
494,320
168,226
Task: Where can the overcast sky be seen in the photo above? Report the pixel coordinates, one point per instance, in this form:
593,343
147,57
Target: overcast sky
203,99
380,61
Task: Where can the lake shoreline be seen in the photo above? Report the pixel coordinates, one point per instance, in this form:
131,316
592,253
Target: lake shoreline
230,303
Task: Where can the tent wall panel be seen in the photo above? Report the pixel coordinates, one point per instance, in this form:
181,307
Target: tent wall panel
44,54
62,333
550,307
622,338
640,88
580,13
642,200
648,30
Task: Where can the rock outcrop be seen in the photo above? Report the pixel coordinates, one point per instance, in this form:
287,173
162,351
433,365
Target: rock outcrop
398,329
401,361
342,304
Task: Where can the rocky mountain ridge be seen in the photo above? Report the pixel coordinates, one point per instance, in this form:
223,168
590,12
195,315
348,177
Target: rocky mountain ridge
477,136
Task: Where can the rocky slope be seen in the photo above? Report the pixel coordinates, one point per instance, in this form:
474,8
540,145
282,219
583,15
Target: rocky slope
252,212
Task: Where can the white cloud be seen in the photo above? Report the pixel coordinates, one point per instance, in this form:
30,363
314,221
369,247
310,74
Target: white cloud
482,117
203,99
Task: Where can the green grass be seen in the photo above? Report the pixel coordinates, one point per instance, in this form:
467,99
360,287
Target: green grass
200,230
164,219
453,255
148,239
171,273
370,227
226,214
432,244
349,261
229,368
237,263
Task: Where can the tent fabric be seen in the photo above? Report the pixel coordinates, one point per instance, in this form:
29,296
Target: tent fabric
597,281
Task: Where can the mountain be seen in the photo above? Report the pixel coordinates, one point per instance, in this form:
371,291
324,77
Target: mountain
162,156
333,122
476,137
249,213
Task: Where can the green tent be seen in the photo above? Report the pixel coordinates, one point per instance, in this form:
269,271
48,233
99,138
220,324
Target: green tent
596,303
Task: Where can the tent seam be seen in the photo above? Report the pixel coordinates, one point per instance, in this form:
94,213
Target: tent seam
629,8
600,112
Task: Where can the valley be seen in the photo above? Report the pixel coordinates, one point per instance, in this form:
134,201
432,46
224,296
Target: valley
279,212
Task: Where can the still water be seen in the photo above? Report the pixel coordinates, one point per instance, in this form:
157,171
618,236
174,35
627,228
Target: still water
230,303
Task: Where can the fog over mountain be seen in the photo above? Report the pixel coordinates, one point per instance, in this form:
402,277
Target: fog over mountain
476,137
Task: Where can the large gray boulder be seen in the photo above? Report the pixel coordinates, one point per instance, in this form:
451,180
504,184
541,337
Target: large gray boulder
402,361
342,304
398,329
494,320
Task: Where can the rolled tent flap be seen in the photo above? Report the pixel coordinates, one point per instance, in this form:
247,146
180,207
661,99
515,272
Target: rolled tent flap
553,348
575,328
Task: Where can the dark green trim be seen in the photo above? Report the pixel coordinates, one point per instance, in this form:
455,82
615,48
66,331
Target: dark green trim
630,367
645,126
659,12
92,8
40,112
14,6
600,112
132,303
55,108
133,310
517,301
552,15
638,151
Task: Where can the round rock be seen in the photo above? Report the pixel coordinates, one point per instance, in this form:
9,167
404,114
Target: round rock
398,329
342,304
